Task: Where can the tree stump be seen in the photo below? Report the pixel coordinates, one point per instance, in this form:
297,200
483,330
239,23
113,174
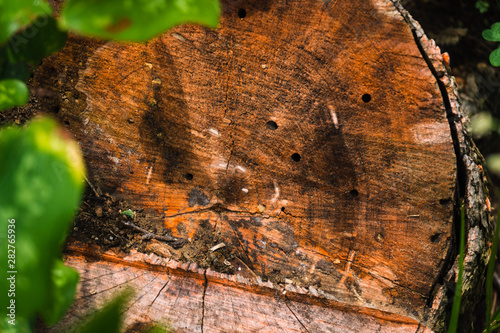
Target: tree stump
311,155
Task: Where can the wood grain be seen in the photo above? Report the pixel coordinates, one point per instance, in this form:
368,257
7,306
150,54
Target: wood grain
197,301
311,137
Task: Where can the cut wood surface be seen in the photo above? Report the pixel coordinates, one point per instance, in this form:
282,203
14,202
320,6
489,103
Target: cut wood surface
198,300
317,141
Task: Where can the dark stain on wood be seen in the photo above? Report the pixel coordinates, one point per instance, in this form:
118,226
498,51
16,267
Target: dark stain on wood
197,197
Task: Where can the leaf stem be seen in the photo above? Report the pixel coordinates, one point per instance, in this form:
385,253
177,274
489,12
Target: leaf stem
489,281
455,312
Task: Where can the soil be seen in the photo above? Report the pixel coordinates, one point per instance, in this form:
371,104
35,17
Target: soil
101,222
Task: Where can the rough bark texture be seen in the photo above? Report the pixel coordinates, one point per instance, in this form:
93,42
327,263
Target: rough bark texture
318,140
471,185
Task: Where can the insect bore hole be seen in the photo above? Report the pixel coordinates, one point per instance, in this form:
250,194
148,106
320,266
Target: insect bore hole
189,176
354,193
366,98
242,13
296,157
272,125
435,238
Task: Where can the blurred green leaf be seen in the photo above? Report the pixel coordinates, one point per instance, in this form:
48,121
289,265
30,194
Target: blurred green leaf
13,93
493,163
65,280
159,329
492,34
108,319
496,315
455,311
489,279
482,6
41,177
16,14
483,123
21,325
10,70
495,57
37,41
136,20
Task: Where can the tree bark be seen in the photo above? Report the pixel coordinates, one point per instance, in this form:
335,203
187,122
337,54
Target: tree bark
320,145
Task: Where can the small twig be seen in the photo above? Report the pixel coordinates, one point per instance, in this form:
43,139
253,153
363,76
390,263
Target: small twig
216,247
91,186
176,242
248,268
117,236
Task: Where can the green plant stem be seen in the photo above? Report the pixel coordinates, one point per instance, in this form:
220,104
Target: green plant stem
489,280
455,311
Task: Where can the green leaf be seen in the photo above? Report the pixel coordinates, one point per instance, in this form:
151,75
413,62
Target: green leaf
107,319
17,14
37,41
65,280
41,182
482,6
9,325
455,311
10,70
489,277
493,163
496,315
484,123
494,327
491,321
13,93
492,34
495,57
136,20
128,213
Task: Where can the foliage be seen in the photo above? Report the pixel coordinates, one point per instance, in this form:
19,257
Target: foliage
28,32
493,35
109,318
12,93
137,20
455,311
18,14
41,177
47,38
99,321
128,213
483,124
492,322
482,6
